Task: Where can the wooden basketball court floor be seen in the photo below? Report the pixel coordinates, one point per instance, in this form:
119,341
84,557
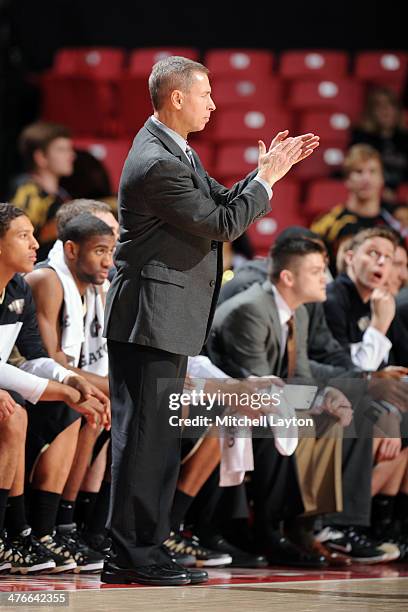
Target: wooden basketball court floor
376,588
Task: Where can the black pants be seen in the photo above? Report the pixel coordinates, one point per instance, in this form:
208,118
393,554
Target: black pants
145,450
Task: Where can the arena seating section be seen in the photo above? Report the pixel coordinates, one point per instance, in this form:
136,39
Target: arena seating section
101,93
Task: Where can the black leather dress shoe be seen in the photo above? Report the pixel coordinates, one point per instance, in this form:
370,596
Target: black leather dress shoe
197,576
169,574
281,551
240,558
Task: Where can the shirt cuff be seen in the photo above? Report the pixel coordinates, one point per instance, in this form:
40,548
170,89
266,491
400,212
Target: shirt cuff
265,184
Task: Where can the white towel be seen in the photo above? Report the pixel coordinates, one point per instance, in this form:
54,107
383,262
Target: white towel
81,340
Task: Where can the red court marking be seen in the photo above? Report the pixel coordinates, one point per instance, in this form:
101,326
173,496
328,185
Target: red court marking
222,577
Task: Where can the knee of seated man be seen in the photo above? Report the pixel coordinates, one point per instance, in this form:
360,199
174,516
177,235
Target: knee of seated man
15,426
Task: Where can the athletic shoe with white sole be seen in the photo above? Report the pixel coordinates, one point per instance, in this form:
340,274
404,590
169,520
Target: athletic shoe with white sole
87,559
6,553
352,542
182,544
60,553
35,558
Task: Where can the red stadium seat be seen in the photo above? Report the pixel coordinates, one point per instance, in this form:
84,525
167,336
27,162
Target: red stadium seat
236,159
242,62
99,62
112,153
85,105
402,193
343,95
285,212
205,151
317,64
250,125
323,195
242,92
332,127
386,68
134,105
323,162
141,60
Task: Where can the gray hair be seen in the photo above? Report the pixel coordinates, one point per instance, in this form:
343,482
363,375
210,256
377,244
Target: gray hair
172,73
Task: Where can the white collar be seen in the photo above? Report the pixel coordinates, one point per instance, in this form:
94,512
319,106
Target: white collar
179,140
284,311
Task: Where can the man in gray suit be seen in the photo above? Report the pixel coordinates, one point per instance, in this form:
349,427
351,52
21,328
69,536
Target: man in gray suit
173,220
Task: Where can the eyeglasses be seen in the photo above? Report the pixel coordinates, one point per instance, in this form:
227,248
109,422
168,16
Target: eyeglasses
377,256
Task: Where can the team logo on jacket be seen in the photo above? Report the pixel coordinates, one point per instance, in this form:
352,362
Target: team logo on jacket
363,323
16,306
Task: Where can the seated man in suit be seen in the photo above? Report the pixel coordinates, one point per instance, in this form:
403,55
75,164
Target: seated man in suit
263,331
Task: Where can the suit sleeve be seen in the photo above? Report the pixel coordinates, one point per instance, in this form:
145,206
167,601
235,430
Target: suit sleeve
245,336
171,196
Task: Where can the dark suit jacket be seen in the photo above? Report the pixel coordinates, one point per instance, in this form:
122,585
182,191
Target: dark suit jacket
399,330
169,259
328,359
246,336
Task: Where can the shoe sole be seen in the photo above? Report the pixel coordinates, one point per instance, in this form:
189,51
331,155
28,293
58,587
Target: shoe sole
63,568
40,567
5,567
211,562
112,579
372,560
89,567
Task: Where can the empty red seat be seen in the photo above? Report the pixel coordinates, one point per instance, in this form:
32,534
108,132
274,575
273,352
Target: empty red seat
382,67
86,105
248,62
313,63
249,125
402,193
236,159
332,127
133,103
102,62
245,91
343,95
141,60
205,151
112,153
323,195
285,212
324,162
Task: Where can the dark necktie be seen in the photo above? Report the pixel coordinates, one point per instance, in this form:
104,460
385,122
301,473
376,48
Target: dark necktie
291,347
190,156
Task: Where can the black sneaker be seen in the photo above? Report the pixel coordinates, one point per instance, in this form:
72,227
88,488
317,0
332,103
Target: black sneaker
202,557
87,559
355,544
35,557
6,553
60,553
240,558
97,541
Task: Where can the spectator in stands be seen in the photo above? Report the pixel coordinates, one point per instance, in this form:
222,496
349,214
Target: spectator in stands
382,127
48,155
364,207
73,277
37,377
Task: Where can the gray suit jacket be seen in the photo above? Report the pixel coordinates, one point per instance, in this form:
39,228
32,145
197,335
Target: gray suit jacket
169,260
246,336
